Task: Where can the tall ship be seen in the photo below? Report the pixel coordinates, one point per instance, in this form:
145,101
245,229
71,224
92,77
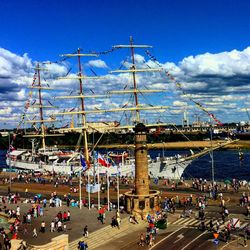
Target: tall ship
54,160
132,109
39,157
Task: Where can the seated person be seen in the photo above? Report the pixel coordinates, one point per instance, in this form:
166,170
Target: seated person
133,220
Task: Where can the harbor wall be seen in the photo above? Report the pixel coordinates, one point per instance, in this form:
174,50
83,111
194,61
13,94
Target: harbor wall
183,145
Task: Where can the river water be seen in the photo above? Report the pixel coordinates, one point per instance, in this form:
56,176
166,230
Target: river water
226,164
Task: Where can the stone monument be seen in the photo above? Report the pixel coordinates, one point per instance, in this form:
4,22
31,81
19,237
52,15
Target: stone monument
141,200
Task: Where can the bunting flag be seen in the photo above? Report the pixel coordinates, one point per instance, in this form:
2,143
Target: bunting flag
179,86
11,148
93,71
65,126
125,105
111,161
68,71
27,103
52,117
83,164
104,52
50,103
102,161
59,61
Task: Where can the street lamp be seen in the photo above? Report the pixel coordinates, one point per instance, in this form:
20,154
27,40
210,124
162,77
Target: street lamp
118,185
212,154
9,164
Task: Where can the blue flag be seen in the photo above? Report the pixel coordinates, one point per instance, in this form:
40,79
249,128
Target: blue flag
83,163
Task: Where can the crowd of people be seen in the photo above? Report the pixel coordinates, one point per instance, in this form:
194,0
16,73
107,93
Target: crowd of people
188,202
21,222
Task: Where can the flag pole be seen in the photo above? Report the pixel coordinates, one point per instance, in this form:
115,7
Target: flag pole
118,191
80,189
88,190
98,180
10,163
108,188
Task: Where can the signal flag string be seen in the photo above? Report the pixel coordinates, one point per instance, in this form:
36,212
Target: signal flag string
178,85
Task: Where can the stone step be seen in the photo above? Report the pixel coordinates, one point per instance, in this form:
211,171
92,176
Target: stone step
97,238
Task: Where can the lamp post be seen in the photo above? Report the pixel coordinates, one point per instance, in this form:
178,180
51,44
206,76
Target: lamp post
88,190
107,177
80,189
212,154
98,183
9,164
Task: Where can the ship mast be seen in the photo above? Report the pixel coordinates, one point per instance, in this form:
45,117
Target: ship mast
81,96
133,69
40,104
134,80
134,91
84,131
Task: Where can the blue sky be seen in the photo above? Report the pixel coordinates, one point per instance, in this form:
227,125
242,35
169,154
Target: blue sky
45,29
177,30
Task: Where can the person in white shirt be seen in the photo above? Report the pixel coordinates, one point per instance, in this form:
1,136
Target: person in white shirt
59,226
43,227
29,218
34,232
18,211
52,226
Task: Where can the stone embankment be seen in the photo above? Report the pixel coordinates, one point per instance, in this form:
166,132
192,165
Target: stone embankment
183,145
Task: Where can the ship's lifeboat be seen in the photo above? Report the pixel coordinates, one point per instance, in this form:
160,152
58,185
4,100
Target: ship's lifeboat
118,156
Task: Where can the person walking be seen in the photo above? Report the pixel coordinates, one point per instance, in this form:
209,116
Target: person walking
34,233
151,240
59,226
211,225
82,245
245,239
44,203
65,216
68,215
85,231
142,240
41,211
42,227
52,226
29,218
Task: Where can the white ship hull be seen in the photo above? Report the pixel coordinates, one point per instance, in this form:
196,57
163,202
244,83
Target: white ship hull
172,169
63,169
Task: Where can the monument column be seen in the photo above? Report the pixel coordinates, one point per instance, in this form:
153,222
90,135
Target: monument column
142,195
141,160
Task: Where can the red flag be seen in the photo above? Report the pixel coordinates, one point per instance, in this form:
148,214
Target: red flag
102,161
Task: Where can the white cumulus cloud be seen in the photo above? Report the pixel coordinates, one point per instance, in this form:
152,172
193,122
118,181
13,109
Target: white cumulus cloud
97,63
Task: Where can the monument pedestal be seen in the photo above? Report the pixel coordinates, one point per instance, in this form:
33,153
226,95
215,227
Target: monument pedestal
142,205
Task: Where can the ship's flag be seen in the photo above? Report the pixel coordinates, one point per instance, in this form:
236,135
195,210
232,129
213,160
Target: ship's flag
102,161
83,163
110,161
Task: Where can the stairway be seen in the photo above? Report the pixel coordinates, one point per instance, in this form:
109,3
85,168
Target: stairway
106,234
